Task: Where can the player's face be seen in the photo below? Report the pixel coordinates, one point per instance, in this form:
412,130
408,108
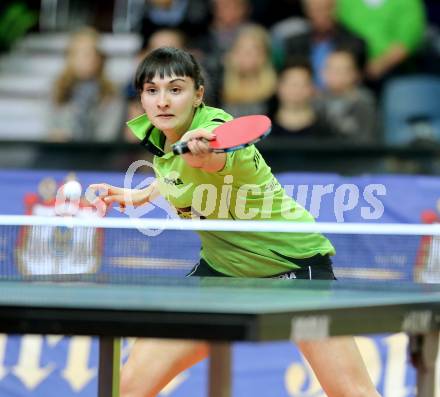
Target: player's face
170,102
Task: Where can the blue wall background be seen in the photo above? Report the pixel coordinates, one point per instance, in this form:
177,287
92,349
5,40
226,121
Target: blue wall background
46,366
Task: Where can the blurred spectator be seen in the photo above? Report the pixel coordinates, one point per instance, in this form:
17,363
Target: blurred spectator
315,36
229,16
393,30
86,105
267,13
249,78
16,19
295,114
428,58
166,38
190,16
161,38
433,12
348,106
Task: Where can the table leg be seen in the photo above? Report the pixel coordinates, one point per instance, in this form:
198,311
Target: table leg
109,366
220,384
426,379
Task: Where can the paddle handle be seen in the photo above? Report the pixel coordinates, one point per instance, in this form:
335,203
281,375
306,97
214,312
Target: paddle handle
180,148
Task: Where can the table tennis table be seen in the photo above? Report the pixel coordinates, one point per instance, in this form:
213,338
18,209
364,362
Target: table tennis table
219,310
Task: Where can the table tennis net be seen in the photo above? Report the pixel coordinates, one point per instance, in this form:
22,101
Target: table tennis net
130,248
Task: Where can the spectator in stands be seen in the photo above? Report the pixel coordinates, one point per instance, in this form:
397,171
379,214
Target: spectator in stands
16,19
229,16
86,105
295,115
393,30
348,106
166,38
249,79
192,17
268,12
314,36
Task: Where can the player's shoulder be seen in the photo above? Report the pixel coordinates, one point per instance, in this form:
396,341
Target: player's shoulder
209,114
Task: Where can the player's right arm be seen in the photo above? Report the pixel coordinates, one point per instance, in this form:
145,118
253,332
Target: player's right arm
200,155
133,197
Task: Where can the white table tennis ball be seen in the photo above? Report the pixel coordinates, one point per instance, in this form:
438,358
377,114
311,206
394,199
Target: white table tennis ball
72,190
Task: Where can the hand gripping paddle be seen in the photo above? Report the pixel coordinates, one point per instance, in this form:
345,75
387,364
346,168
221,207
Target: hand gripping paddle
235,134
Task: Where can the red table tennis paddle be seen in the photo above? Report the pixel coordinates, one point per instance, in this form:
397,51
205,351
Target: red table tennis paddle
235,134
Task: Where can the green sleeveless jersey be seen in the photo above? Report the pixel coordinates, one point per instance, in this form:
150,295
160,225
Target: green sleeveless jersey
245,189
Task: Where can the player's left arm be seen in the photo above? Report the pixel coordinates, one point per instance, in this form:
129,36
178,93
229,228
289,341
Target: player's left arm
200,155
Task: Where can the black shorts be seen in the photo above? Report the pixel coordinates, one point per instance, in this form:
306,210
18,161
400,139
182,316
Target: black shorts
318,267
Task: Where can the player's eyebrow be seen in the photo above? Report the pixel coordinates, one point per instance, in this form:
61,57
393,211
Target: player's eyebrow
177,79
170,82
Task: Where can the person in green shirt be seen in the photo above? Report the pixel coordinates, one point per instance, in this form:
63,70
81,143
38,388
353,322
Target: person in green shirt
393,30
235,185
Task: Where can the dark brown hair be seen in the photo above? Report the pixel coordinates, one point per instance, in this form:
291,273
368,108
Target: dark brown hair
167,61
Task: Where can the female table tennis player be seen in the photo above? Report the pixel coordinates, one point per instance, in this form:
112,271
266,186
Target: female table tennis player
171,92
